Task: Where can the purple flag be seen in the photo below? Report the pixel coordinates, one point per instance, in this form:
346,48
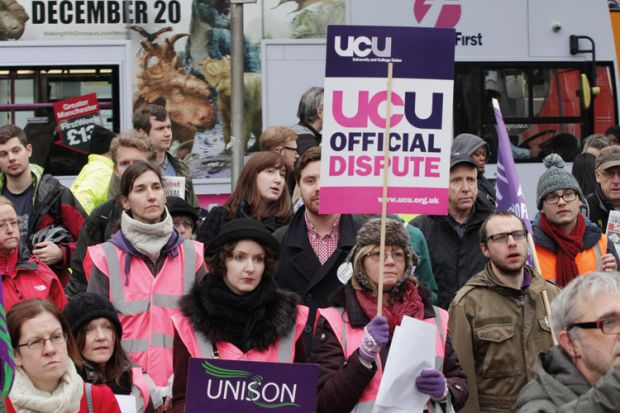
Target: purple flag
508,189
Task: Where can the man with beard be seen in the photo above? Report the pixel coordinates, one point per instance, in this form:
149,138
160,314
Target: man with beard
313,244
497,321
581,373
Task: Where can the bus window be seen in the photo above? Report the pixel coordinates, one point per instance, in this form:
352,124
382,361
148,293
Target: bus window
542,107
26,98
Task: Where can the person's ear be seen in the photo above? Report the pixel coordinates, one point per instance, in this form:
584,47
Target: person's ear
568,345
485,250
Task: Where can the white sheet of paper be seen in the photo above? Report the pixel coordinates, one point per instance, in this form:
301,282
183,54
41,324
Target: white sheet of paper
412,349
126,403
174,186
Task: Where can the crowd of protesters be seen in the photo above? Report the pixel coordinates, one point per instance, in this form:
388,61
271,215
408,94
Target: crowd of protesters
111,287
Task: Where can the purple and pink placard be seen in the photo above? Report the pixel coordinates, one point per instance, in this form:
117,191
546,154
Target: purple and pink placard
232,386
354,119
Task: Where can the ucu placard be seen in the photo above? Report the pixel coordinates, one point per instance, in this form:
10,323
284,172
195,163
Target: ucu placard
359,106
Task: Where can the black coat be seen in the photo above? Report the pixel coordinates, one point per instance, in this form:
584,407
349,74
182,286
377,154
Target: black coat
301,271
455,260
598,207
98,227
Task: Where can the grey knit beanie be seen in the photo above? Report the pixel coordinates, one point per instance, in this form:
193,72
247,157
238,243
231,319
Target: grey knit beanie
555,178
370,234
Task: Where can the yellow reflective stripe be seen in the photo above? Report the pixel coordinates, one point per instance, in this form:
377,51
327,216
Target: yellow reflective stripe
364,407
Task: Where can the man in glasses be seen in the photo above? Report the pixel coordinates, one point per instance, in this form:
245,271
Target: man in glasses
606,197
581,373
567,244
497,320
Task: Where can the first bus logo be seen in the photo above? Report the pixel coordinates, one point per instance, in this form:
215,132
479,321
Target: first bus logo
437,13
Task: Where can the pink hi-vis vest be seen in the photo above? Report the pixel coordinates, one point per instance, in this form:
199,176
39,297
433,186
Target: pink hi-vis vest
140,383
146,304
351,339
283,351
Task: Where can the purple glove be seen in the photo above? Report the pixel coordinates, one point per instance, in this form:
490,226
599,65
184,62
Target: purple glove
376,337
433,383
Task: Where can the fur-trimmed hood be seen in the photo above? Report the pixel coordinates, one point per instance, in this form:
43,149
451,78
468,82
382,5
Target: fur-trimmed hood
280,317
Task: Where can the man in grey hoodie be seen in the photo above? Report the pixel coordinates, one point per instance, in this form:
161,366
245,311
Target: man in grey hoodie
474,146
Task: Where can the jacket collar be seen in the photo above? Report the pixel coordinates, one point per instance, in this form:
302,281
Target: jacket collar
556,373
590,237
298,233
487,279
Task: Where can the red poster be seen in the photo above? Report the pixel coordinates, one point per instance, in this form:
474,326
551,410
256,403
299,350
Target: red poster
76,118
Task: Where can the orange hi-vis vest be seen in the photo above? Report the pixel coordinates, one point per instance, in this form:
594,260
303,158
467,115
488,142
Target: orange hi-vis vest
351,339
146,304
283,351
587,261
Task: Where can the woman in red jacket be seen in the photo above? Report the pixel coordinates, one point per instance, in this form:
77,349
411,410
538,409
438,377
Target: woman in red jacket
46,379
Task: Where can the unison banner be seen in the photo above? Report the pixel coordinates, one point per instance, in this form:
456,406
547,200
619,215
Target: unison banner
354,119
222,386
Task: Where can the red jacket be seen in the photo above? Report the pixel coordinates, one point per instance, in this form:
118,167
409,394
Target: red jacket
103,401
24,277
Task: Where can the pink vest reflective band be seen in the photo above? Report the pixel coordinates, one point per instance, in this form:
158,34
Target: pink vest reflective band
146,304
282,351
351,338
138,380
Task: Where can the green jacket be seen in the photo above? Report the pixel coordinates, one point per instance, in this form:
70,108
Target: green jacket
91,185
560,387
423,269
497,332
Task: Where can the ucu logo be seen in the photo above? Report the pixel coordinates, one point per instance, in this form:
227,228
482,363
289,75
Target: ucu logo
363,46
368,109
437,13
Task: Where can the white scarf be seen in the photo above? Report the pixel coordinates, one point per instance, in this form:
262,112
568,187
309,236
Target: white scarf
149,239
26,398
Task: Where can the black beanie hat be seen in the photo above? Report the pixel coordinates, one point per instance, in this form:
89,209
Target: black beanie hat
100,140
86,307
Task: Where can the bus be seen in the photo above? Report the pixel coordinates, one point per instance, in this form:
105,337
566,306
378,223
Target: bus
551,63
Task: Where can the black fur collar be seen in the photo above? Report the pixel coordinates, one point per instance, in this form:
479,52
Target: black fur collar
280,316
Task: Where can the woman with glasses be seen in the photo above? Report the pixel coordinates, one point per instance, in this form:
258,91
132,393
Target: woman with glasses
46,379
352,353
260,194
23,276
98,331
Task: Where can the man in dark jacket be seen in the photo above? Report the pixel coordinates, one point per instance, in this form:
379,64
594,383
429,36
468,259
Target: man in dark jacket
497,321
453,240
606,196
310,114
478,149
581,373
313,245
126,149
153,122
50,217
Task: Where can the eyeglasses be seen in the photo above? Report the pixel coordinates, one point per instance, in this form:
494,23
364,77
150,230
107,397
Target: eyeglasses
397,256
289,148
567,196
14,223
39,343
607,325
502,237
610,173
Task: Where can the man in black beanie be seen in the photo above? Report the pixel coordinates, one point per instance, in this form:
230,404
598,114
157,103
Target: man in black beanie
91,185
